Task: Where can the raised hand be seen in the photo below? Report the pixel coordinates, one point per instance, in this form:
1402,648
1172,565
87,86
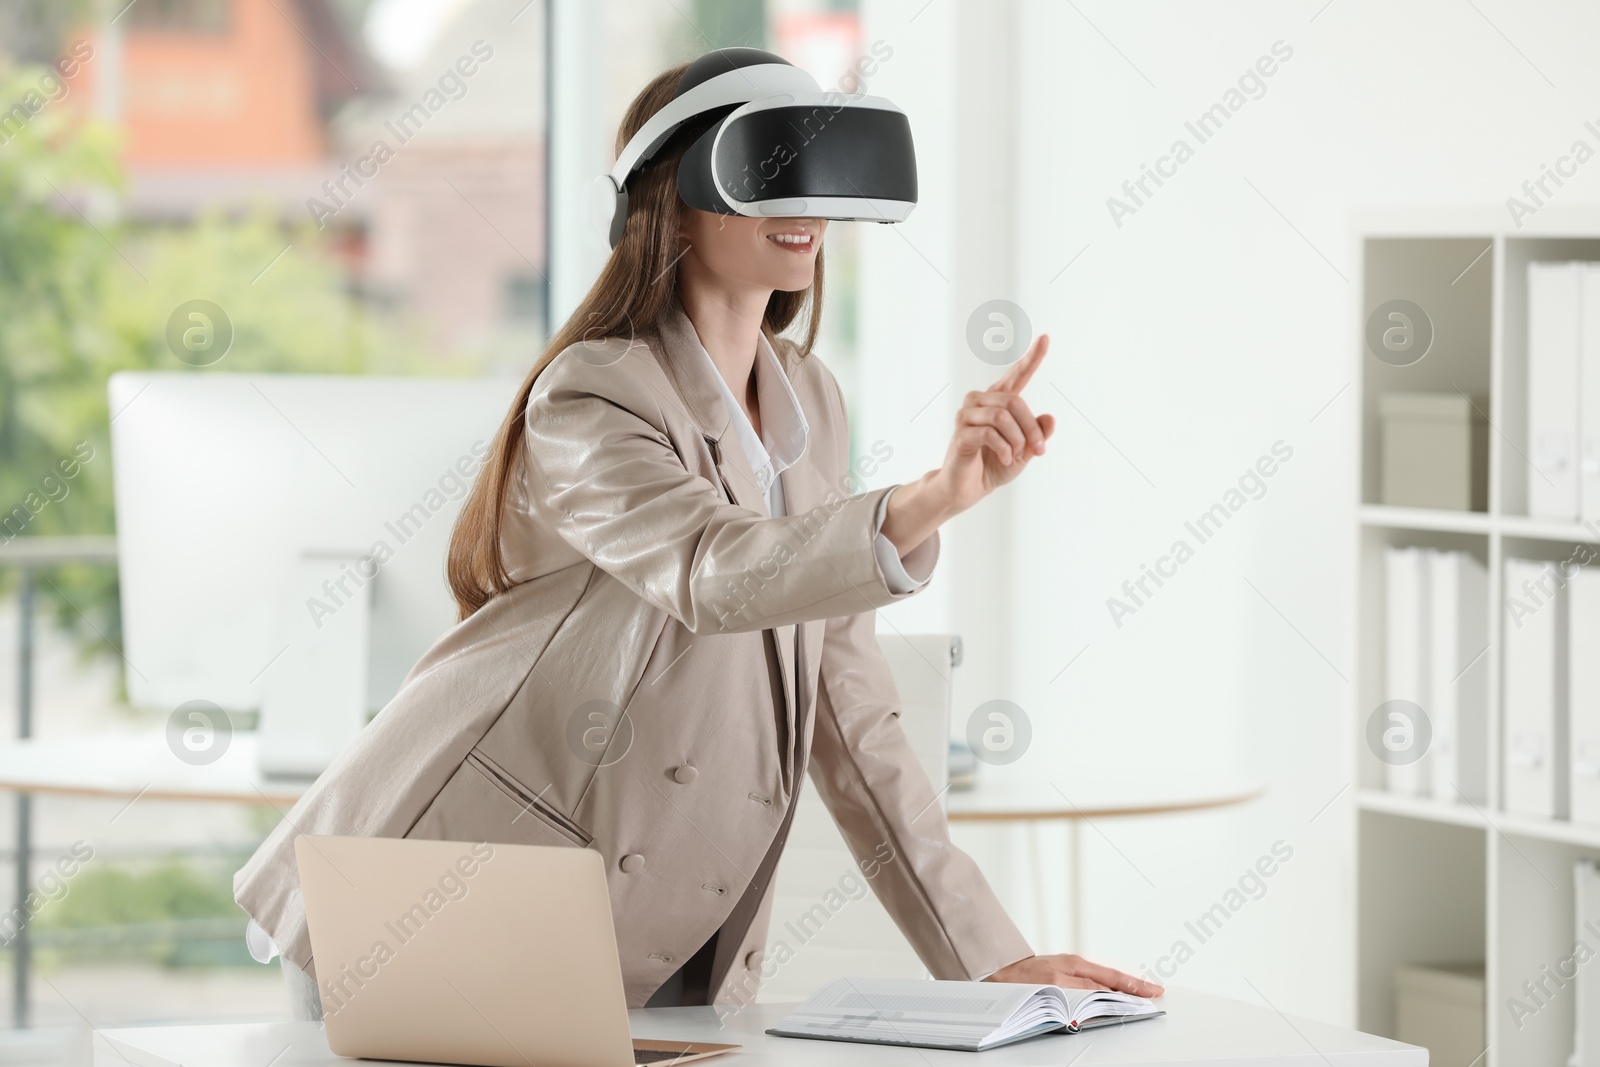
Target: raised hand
995,438
996,433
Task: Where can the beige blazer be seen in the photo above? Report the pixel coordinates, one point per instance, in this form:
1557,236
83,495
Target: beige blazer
650,577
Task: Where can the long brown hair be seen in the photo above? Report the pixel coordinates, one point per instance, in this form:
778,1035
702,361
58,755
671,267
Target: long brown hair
629,298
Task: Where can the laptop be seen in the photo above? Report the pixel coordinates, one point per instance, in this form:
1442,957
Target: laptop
470,953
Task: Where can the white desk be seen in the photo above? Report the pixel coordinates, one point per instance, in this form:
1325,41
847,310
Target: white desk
1200,1030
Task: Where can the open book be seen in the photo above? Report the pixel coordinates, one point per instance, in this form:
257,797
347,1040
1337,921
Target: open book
968,1016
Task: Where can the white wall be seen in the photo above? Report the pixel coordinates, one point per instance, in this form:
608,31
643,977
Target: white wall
1212,323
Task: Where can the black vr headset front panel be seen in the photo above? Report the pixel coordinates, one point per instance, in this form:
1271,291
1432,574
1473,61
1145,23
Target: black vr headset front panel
802,152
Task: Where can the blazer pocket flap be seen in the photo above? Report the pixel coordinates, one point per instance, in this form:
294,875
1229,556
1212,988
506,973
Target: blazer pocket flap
481,803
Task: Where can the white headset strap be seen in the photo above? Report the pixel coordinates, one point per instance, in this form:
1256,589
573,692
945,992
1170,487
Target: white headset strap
737,86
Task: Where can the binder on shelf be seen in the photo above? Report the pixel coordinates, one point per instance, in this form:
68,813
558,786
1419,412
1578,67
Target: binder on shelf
1535,689
1554,308
1458,684
1586,995
1583,696
1589,395
1406,649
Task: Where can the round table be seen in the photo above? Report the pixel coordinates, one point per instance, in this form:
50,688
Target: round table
131,767
142,767
1031,802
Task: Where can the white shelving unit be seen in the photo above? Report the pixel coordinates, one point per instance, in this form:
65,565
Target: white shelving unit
1440,881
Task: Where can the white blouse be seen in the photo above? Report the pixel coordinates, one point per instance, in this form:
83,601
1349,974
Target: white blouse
783,440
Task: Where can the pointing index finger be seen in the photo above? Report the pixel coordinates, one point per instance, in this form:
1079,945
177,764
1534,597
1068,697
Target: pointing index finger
1018,374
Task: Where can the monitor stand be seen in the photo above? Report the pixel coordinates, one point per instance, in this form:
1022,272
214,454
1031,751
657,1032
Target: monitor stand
314,695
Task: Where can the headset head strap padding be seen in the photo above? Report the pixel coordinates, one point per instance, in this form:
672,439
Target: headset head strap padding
717,81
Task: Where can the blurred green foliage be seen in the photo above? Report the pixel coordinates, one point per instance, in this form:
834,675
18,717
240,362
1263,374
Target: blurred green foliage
84,293
149,912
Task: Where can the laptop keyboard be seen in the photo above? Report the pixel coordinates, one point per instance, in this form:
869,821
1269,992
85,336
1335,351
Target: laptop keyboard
657,1055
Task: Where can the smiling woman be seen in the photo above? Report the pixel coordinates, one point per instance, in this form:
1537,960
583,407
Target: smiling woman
778,254
799,238
669,443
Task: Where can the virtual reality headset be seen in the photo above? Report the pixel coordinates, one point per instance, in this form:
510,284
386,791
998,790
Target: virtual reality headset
769,142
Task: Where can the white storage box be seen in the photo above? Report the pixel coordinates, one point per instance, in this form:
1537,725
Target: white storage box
1441,1007
1435,452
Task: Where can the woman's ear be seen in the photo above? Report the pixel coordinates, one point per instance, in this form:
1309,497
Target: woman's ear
685,220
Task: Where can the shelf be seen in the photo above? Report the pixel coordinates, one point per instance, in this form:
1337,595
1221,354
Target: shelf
1549,530
1559,830
1563,221
1425,809
1441,519
1441,879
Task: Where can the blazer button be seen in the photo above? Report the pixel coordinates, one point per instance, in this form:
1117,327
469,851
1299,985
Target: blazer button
632,862
685,774
752,959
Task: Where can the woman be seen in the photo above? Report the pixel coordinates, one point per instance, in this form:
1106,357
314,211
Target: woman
666,583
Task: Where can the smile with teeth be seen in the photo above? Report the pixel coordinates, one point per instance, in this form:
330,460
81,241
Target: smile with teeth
797,241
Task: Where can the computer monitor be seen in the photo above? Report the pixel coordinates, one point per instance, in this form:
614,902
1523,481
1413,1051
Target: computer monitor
282,540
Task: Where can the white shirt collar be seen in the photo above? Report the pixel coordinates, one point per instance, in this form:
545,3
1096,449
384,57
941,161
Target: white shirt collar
784,430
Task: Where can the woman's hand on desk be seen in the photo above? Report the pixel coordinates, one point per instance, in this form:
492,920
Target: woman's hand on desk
996,435
1073,972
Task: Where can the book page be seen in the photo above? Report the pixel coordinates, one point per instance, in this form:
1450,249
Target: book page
1086,1006
910,1011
